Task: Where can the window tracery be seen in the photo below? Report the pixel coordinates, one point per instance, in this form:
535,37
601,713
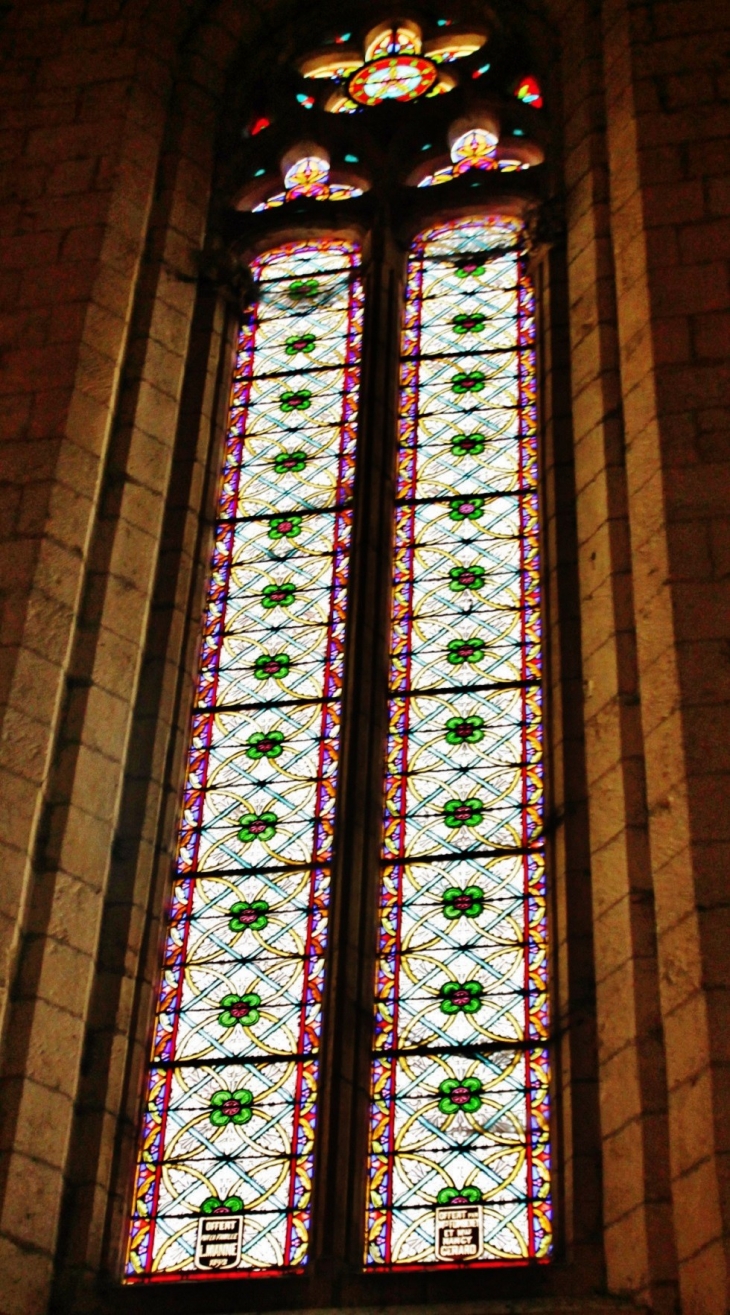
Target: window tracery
475,143
306,173
396,64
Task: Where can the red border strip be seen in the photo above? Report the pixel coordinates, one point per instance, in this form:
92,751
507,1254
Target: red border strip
523,769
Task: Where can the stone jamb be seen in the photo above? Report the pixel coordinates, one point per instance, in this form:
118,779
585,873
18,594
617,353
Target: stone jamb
666,115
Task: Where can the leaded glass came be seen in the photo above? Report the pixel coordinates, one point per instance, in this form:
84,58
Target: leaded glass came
458,1164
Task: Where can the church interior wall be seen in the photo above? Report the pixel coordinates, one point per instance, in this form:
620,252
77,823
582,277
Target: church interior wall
114,364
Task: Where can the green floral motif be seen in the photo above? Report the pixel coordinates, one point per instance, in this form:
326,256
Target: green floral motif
286,462
302,343
466,577
465,650
257,826
459,1196
300,288
249,916
278,595
469,323
265,744
468,381
463,812
466,903
464,730
285,527
243,1010
468,445
296,399
272,664
469,265
233,1205
467,508
461,997
463,1095
233,1107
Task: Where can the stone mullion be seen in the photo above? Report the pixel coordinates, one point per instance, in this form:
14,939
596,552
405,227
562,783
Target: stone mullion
338,1228
576,1129
637,1219
663,122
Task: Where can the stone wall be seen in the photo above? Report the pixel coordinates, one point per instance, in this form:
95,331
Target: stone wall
112,379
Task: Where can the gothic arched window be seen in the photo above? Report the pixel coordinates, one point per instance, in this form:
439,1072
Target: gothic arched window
451,1136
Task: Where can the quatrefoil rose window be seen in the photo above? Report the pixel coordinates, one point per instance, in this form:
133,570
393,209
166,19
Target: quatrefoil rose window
395,64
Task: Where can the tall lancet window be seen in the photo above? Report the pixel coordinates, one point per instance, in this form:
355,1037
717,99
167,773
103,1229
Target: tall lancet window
264,1148
226,1154
459,1120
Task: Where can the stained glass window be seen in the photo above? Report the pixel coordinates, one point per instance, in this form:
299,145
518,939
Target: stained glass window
445,51
305,175
479,148
395,66
529,92
458,1169
224,1173
403,39
474,149
392,77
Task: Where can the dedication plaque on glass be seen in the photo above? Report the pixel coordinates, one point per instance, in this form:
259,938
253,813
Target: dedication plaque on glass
458,1232
219,1242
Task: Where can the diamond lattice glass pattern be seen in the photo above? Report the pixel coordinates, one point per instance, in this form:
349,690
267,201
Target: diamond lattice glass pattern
459,1118
229,1118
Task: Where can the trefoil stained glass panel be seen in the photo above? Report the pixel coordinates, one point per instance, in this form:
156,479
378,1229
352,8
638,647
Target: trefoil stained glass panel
225,1159
458,1168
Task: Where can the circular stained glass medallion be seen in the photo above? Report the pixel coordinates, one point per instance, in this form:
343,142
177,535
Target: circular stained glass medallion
394,77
